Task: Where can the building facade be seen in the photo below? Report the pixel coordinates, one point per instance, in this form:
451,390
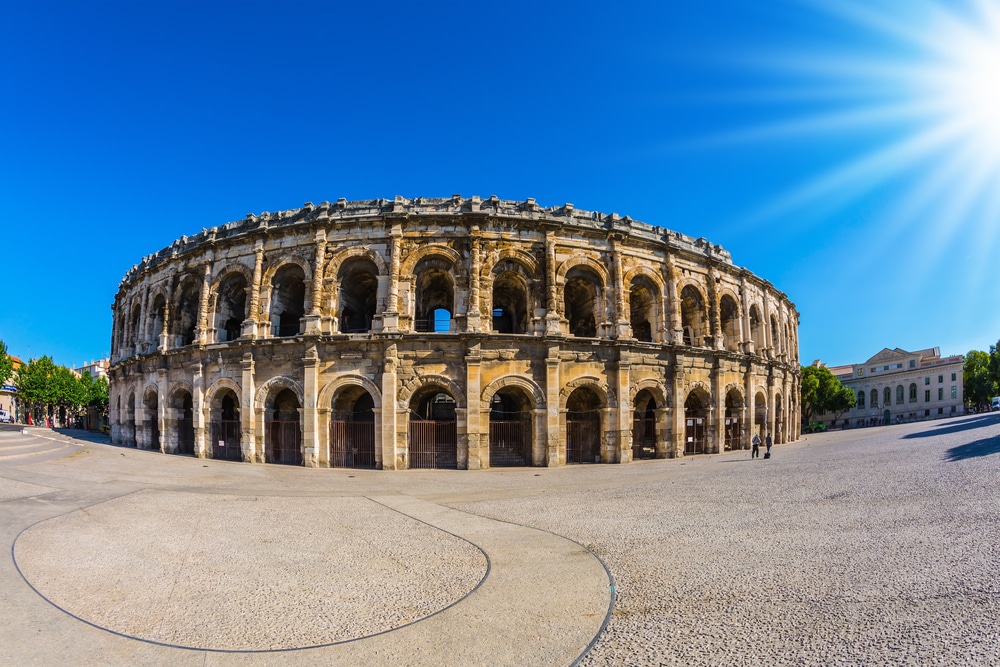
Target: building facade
896,385
455,332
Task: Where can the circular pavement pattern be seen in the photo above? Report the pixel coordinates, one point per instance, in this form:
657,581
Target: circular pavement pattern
175,568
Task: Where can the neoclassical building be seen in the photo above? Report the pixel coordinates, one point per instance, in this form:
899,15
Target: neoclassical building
448,333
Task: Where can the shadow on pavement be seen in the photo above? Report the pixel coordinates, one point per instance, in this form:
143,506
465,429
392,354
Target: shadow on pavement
955,427
971,450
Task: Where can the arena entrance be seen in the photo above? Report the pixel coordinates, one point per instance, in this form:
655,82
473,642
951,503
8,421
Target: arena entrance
284,434
183,409
644,426
352,430
151,407
733,425
583,426
696,422
226,427
433,430
511,443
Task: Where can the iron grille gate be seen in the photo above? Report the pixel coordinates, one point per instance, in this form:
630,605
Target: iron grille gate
644,438
352,444
694,435
583,441
154,434
226,440
733,432
510,443
185,436
433,444
285,443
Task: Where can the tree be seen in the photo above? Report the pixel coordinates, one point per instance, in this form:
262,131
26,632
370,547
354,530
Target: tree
980,385
35,386
822,391
6,364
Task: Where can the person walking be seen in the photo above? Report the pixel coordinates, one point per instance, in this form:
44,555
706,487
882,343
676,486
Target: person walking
755,450
767,445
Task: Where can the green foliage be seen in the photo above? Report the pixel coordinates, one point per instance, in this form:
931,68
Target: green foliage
6,364
821,391
980,382
42,384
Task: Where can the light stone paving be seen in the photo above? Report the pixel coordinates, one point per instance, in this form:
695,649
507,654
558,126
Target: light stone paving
874,546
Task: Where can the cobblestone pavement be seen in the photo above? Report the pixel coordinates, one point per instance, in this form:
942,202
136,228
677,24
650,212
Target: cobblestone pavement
870,546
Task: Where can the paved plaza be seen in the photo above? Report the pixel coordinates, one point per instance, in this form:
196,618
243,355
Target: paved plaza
871,546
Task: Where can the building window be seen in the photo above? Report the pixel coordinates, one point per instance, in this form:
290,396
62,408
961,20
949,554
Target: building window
927,396
913,363
927,380
913,392
940,393
861,400
940,411
899,395
861,372
954,391
874,398
952,377
940,379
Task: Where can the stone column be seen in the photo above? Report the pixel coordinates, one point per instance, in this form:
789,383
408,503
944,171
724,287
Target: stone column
678,433
390,317
250,324
714,323
746,334
771,405
555,443
313,318
161,407
311,456
623,327
748,406
248,415
392,457
478,442
552,310
717,413
198,410
473,316
674,333
202,331
163,335
624,412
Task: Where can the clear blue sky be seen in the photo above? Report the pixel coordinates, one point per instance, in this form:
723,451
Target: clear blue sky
847,152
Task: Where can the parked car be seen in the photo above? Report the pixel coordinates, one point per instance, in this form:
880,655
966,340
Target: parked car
814,427
5,417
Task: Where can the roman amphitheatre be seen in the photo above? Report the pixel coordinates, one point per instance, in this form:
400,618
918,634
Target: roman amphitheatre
459,332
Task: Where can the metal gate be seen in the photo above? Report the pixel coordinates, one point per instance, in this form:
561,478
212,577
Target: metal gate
352,444
583,441
185,436
284,444
226,440
644,438
694,435
433,444
154,434
510,443
733,433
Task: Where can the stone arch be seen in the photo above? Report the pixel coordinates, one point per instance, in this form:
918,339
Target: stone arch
332,388
525,384
594,382
157,315
180,418
649,425
515,255
225,270
693,313
151,437
582,262
288,296
409,264
185,309
417,384
278,262
735,408
730,321
654,387
334,264
266,392
221,385
434,287
644,304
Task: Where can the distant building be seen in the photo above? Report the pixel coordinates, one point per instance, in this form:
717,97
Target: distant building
8,393
896,385
97,369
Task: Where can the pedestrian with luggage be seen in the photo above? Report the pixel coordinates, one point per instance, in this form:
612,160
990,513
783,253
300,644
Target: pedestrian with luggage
755,450
767,445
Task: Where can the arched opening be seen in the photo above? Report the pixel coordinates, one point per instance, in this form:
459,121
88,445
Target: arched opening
288,298
899,395
185,316
643,304
696,422
874,397
729,315
760,415
151,419
182,408
583,426
913,394
129,436
284,442
776,343
511,441
231,308
225,416
861,400
434,295
352,429
644,426
510,303
433,429
582,303
734,427
886,397
756,330
133,331
358,280
692,316
158,321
